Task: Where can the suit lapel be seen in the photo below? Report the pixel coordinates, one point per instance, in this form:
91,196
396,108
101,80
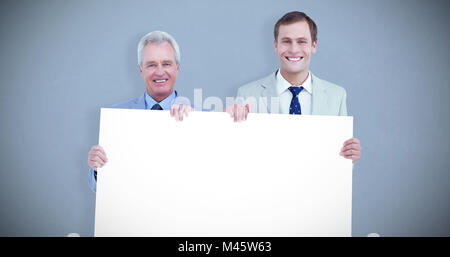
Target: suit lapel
139,103
269,83
319,96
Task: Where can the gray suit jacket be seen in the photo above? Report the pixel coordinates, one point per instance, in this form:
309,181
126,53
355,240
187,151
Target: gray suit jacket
136,103
327,98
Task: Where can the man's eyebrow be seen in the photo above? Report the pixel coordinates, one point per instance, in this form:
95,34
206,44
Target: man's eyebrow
288,38
155,62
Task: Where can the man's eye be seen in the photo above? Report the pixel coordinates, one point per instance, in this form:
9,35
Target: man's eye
151,65
166,64
286,42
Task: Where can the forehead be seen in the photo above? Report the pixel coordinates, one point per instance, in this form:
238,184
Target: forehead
158,52
295,30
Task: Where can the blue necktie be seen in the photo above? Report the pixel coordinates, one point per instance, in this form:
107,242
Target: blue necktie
157,107
295,103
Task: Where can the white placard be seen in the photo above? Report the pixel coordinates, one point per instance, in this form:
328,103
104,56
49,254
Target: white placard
272,175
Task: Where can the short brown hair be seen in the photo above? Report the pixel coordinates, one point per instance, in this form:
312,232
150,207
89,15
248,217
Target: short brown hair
293,17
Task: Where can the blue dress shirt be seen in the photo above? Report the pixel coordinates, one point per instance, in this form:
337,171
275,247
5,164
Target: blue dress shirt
165,104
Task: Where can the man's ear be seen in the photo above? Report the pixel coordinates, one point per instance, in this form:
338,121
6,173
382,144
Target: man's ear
141,71
275,45
314,47
178,67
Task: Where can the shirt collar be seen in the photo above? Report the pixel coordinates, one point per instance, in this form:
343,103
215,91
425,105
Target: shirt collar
283,84
165,104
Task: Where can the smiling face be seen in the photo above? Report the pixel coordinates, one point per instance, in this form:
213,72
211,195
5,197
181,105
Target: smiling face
294,47
159,70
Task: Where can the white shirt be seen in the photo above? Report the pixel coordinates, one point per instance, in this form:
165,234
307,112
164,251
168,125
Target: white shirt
285,96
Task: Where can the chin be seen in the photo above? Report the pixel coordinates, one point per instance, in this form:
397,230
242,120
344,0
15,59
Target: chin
294,71
162,92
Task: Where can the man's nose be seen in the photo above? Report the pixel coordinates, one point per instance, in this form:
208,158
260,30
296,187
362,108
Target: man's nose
295,48
159,70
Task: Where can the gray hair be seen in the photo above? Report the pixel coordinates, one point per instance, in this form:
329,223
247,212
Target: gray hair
157,37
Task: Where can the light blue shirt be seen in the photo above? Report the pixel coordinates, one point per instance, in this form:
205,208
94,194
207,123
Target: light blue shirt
165,104
143,102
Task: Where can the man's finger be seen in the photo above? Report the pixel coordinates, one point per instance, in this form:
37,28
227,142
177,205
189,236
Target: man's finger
93,165
348,156
100,155
238,113
354,158
351,146
247,110
181,112
186,110
98,160
172,110
352,140
98,152
176,112
96,147
242,113
349,141
351,153
103,157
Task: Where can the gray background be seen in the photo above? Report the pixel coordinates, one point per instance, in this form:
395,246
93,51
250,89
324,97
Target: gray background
63,60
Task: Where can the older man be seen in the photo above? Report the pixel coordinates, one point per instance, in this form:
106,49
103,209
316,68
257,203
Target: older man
293,88
158,63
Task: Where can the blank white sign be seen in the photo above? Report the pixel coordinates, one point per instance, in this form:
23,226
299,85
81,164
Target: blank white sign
272,175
